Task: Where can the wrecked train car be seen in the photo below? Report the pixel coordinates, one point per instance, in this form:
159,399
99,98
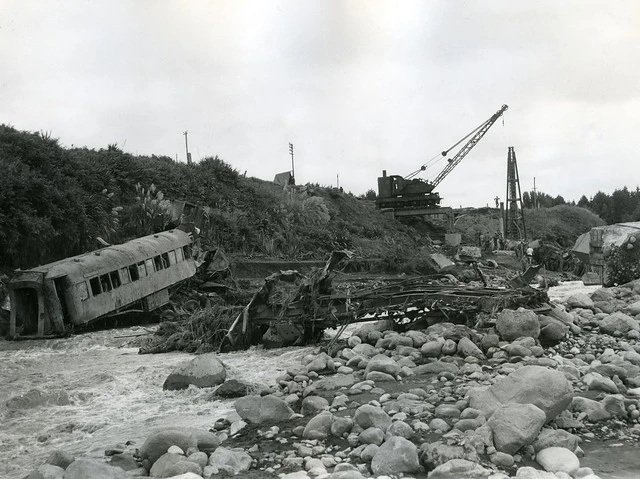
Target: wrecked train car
75,291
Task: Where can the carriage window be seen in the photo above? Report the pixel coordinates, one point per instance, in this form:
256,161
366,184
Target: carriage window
179,255
187,251
133,272
149,264
172,257
142,271
95,286
157,260
124,275
105,283
115,279
83,291
165,260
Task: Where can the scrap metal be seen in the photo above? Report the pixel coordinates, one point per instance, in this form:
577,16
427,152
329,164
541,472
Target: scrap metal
311,305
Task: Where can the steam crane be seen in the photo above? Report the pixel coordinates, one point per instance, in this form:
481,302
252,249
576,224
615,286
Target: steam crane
410,193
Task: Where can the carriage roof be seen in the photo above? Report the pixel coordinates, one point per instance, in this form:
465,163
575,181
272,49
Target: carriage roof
112,257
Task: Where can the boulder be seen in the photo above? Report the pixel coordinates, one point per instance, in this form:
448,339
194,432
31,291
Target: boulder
555,438
159,443
451,331
331,383
436,367
593,409
417,337
558,459
232,388
545,388
618,322
371,435
85,468
515,425
124,461
432,349
319,427
379,376
341,426
203,371
364,331
459,469
164,462
514,324
602,294
60,458
229,461
383,364
47,471
466,347
368,415
633,308
183,467
434,454
262,409
397,455
312,405
552,330
579,300
399,428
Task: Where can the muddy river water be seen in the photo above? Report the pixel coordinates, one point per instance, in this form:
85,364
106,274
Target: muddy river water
87,393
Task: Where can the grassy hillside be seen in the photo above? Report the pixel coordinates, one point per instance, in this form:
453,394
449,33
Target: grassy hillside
54,202
560,224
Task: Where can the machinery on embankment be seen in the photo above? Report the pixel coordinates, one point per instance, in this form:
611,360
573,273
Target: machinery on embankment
413,195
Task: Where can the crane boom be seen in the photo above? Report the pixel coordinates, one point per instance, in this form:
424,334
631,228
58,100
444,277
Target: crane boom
464,151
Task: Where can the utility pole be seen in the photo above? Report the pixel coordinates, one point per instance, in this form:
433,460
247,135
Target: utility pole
293,168
338,180
186,145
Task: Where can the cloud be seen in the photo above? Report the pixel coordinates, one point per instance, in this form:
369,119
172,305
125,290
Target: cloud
358,86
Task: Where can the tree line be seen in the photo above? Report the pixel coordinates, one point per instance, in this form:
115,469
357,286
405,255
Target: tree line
623,205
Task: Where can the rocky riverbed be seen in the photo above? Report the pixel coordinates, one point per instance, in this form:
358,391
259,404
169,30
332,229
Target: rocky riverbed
533,395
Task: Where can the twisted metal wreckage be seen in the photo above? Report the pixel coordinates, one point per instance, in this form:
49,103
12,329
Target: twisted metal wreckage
312,305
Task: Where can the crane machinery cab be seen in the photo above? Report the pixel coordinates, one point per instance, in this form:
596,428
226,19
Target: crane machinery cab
397,192
410,193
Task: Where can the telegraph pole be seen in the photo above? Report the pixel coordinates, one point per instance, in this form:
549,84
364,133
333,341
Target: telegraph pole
186,145
293,168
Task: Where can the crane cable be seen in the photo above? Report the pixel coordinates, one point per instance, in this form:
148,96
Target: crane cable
439,156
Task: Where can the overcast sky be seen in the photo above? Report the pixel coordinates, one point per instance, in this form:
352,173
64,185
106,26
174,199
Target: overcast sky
357,86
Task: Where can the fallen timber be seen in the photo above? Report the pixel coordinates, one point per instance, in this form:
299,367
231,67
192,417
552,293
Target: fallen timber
312,306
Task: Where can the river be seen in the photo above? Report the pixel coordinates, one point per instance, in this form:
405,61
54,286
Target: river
90,392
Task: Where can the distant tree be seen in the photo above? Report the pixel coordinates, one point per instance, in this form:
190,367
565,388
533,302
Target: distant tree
558,200
370,195
583,202
600,205
526,200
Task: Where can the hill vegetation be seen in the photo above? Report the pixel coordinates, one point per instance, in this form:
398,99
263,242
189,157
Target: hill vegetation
55,202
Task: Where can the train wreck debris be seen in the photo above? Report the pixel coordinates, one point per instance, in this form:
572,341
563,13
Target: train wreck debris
52,299
310,305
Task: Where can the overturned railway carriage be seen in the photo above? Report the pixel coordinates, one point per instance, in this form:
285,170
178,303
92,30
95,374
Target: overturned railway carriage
78,290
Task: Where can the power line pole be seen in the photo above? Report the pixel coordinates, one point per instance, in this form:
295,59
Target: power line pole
293,168
186,145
